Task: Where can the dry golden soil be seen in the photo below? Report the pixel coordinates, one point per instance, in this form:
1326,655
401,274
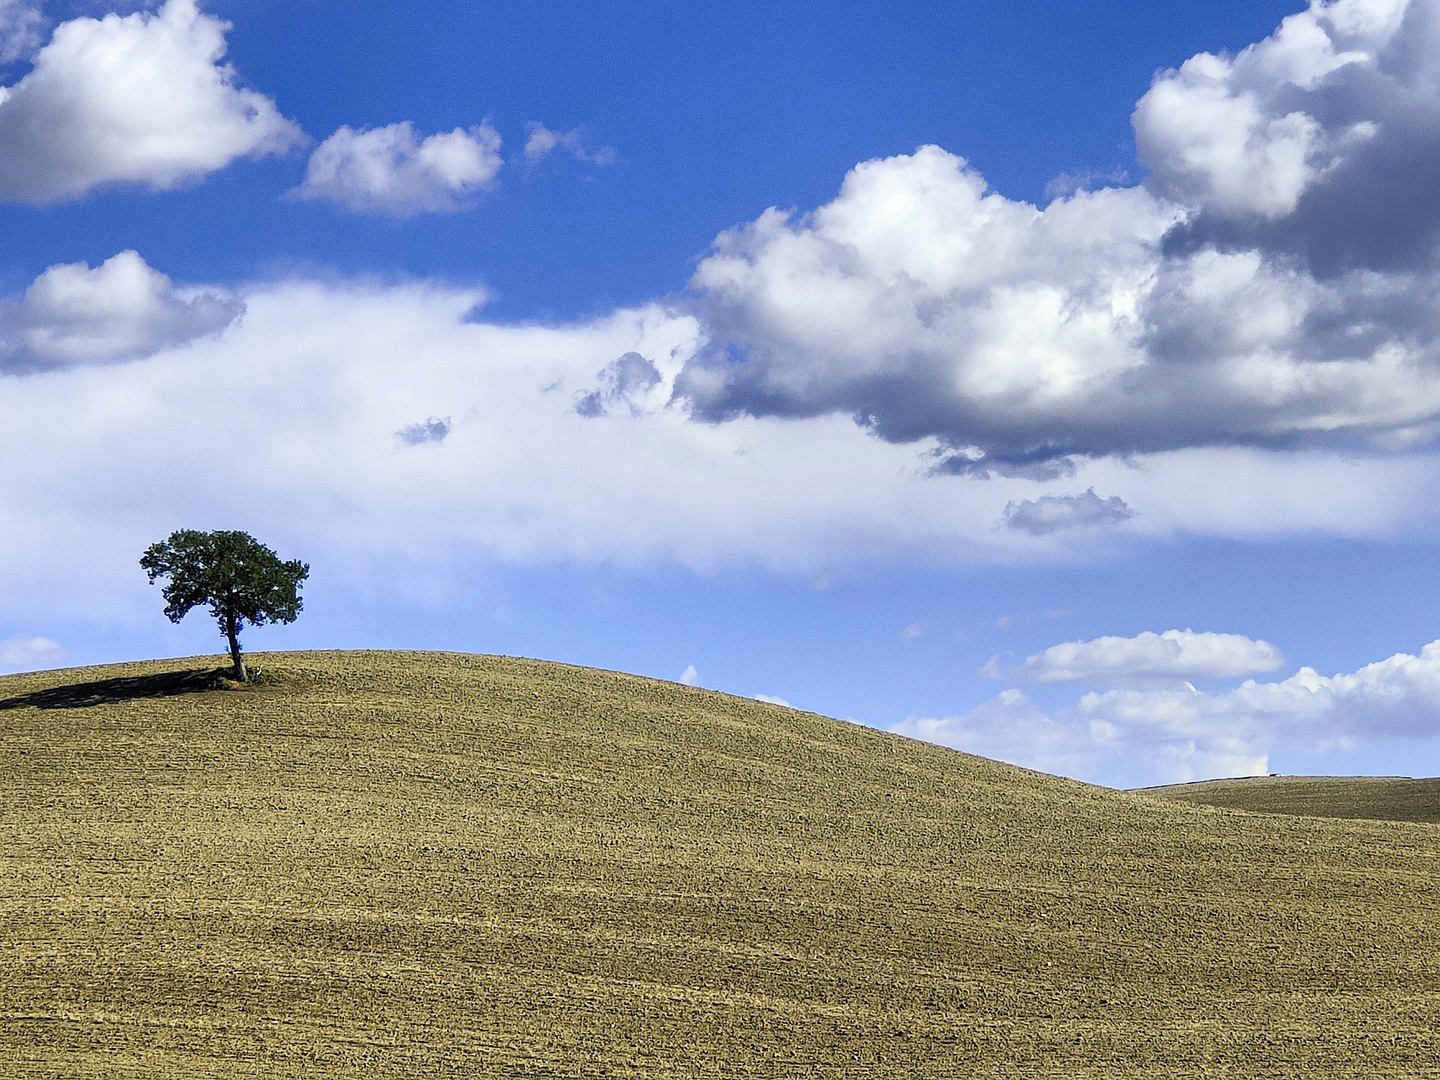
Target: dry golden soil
417,864
1384,798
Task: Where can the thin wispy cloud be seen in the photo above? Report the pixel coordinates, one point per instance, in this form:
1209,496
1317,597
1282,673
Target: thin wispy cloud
541,142
22,25
1068,184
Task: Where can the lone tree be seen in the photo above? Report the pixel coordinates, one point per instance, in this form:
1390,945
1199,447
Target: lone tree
241,580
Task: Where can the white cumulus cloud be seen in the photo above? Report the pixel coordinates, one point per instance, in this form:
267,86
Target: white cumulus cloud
1317,147
1272,285
1394,698
120,310
1010,727
1175,733
1248,136
1174,655
140,99
923,304
391,171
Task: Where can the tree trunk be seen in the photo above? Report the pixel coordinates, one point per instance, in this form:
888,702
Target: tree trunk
233,634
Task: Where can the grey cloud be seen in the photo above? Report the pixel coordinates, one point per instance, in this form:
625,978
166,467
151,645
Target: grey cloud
1039,463
1372,199
433,430
1054,513
624,382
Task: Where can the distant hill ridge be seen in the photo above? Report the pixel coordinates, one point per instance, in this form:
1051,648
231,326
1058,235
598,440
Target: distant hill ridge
1380,798
378,864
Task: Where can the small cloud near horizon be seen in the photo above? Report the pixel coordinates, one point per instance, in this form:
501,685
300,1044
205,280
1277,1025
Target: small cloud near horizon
1169,731
30,654
1175,655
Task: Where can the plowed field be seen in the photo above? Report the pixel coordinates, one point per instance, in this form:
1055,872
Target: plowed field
410,864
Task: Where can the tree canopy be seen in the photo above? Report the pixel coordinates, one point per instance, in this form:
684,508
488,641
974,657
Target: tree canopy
239,579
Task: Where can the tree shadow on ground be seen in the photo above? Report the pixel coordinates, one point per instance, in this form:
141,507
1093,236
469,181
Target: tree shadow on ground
108,691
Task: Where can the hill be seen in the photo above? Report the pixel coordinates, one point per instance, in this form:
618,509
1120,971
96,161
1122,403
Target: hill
411,864
1380,798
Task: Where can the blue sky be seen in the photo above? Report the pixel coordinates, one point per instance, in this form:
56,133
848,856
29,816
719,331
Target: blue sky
1059,384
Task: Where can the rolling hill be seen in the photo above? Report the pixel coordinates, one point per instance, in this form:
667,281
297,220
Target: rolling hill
1380,798
415,864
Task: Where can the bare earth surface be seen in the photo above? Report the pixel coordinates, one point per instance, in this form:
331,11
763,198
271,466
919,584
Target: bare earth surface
1381,798
415,864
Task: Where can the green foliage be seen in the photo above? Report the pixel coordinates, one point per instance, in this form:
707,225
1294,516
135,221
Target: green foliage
241,581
